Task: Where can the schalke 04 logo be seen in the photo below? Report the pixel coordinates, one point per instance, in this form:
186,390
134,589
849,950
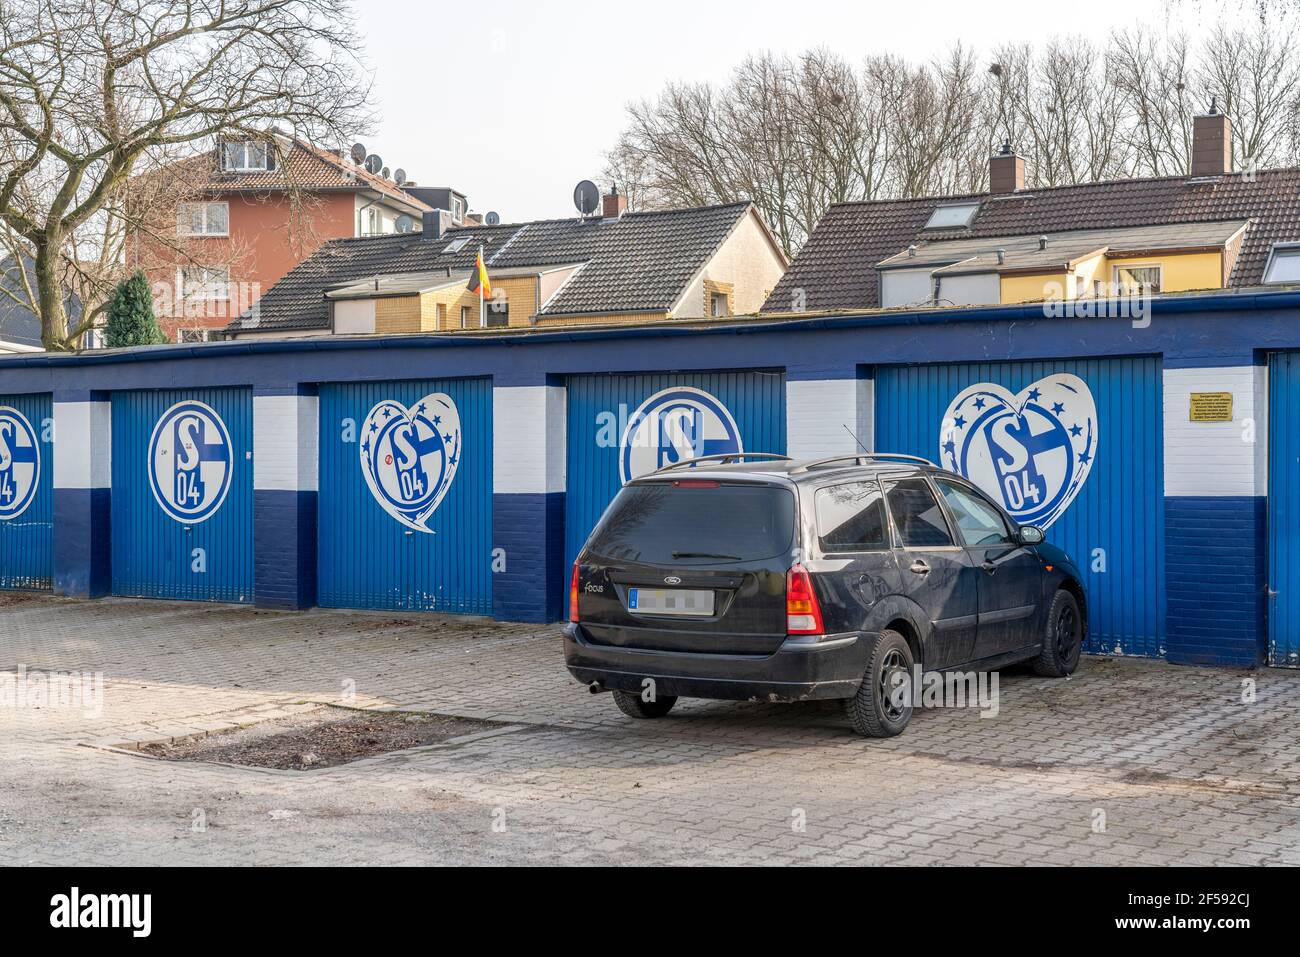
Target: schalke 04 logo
672,426
190,461
1032,451
20,463
410,456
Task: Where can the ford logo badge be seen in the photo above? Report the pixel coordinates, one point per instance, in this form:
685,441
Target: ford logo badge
672,580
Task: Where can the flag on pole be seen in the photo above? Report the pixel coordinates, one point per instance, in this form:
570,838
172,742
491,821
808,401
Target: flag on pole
478,280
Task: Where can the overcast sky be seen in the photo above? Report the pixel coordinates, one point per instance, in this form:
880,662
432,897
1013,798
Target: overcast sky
514,102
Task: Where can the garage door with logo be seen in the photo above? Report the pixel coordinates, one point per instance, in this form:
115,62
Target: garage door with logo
405,502
1073,446
623,426
1284,510
26,492
182,512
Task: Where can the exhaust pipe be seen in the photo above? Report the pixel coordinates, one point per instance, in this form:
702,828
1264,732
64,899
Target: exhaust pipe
595,687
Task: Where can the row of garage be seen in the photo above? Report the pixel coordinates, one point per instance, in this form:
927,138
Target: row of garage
405,477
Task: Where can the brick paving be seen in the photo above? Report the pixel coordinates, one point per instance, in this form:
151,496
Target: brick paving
1172,761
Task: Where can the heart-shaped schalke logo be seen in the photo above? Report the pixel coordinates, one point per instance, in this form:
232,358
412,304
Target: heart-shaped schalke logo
1032,451
410,456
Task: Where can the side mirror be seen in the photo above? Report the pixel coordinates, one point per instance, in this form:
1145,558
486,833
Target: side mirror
1031,535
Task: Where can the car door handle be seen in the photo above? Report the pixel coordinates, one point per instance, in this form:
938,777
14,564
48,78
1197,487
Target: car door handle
989,567
920,568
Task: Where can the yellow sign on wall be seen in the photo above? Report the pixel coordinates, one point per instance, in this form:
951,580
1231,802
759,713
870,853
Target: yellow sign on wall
1211,407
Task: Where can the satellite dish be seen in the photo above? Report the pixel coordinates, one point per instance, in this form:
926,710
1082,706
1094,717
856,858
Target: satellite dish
404,224
358,153
492,219
586,196
399,176
384,173
374,164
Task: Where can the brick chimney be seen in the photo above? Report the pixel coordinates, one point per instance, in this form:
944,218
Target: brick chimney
1211,143
1006,170
615,204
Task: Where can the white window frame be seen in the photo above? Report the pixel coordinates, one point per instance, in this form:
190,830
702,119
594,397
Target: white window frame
465,318
970,209
456,245
1276,252
220,292
1158,267
242,166
184,220
204,336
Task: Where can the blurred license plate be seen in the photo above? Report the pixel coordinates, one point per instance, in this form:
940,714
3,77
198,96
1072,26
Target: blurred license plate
670,601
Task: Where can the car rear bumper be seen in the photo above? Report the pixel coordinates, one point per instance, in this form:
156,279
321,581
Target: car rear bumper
797,671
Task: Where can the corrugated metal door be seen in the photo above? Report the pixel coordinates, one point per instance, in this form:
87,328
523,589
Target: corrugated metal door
1075,446
629,424
1284,509
26,492
405,518
182,508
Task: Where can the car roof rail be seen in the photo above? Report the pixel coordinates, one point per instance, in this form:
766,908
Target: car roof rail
721,459
861,458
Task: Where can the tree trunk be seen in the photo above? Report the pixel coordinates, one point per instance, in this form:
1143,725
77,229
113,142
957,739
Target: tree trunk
49,290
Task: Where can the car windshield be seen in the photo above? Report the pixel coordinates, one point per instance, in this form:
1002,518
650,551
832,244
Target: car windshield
695,522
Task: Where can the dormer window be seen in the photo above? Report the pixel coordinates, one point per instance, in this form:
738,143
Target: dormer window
1283,263
246,156
954,216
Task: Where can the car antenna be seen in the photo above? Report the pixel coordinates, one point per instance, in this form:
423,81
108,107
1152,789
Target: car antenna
855,438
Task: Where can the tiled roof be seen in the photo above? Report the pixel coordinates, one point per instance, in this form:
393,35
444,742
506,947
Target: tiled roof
836,267
301,164
638,262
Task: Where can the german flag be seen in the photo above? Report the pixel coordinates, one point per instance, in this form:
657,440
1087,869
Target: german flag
479,277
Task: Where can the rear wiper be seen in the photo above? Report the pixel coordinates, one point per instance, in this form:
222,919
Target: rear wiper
734,558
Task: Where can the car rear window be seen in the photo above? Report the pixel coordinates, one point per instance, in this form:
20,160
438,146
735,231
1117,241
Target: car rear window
695,522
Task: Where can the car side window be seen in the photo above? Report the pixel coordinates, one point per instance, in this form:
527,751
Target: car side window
851,518
917,514
980,522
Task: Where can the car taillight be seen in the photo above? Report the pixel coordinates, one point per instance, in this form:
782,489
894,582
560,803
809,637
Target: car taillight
803,615
573,594
697,483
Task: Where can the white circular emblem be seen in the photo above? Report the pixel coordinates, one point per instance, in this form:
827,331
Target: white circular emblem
674,425
190,462
20,463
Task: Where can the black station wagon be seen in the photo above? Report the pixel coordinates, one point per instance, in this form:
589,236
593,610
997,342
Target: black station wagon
755,577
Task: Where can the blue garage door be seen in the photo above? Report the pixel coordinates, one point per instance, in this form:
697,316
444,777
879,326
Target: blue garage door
1074,446
26,492
182,508
621,426
405,518
1284,509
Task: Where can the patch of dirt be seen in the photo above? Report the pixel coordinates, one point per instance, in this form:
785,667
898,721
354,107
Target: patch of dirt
323,738
8,598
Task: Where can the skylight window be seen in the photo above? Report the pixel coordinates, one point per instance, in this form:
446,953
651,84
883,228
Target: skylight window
1283,264
456,245
955,216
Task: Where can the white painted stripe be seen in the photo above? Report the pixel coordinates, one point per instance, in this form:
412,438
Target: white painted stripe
286,437
528,439
83,445
817,412
1217,459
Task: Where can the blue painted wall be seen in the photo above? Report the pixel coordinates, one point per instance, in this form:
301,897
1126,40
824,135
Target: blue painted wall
1284,510
369,559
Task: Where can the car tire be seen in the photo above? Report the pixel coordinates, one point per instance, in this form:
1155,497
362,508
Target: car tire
1062,637
630,703
873,711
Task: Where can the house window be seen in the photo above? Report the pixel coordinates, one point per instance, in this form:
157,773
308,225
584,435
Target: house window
458,209
203,219
246,156
465,317
205,282
1283,265
192,335
718,307
954,216
456,245
93,339
498,312
1143,279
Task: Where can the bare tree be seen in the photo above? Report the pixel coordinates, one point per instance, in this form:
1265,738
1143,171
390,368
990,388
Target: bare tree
93,92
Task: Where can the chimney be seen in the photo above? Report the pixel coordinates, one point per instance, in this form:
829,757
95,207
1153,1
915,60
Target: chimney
1006,170
433,224
615,204
1211,143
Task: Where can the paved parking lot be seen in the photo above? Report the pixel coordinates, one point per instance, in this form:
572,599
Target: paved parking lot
1128,762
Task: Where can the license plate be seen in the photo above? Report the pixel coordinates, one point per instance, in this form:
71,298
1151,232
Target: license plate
670,601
